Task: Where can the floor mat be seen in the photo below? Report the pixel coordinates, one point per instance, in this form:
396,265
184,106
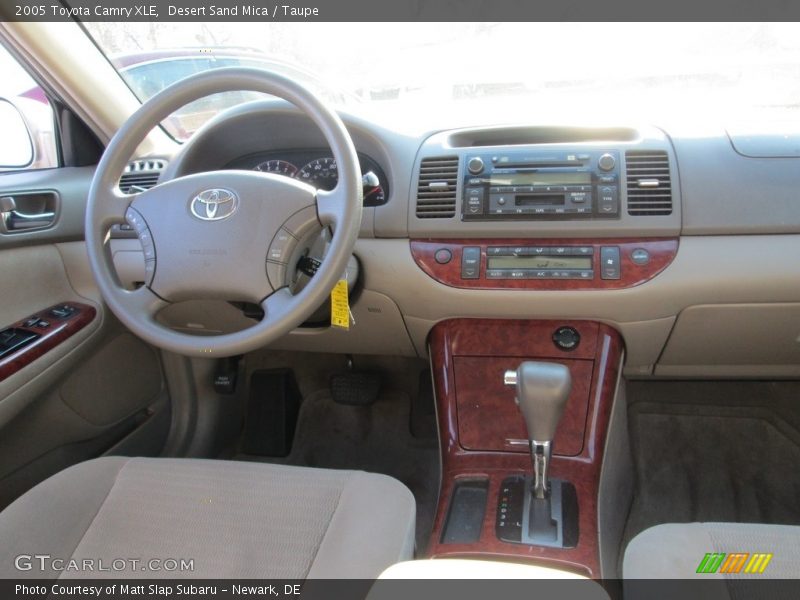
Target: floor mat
375,438
714,451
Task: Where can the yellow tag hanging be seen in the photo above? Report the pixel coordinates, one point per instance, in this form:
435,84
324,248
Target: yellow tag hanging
340,305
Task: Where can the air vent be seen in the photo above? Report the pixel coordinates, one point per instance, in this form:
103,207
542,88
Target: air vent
436,191
141,175
649,185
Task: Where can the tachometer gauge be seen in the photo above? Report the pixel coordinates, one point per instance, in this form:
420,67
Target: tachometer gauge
281,167
320,173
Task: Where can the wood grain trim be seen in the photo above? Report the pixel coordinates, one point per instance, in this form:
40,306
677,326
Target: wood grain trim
662,253
582,470
58,331
488,416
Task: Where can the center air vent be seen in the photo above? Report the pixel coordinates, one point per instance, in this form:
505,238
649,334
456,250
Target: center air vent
141,175
649,185
436,191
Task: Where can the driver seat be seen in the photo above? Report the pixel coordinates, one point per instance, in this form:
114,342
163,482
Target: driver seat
232,519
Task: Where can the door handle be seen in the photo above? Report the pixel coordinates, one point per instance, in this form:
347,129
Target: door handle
13,220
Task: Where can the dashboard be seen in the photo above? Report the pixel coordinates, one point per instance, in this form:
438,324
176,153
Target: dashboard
317,168
699,227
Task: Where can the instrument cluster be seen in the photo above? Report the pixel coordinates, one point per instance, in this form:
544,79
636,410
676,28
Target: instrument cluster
318,168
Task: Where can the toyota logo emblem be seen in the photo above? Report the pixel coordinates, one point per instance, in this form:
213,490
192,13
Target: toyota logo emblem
214,205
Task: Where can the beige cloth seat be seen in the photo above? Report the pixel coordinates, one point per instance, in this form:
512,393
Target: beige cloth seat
231,519
675,550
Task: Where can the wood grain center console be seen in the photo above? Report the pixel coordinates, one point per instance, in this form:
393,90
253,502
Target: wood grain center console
483,436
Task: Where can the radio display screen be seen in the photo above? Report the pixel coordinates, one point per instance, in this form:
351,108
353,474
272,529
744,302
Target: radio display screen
539,262
547,178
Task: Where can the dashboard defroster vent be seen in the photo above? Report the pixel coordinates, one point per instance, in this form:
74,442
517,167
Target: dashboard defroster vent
436,191
141,175
649,184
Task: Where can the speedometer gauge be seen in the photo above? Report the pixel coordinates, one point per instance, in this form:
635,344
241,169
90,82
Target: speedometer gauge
320,173
281,167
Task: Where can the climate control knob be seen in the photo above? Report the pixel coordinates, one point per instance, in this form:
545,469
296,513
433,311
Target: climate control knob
606,162
475,165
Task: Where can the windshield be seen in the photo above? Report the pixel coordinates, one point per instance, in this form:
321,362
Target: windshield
511,71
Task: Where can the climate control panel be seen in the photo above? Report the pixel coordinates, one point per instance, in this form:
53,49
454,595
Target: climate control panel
540,264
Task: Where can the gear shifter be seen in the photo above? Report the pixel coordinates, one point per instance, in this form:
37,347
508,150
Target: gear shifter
542,393
547,511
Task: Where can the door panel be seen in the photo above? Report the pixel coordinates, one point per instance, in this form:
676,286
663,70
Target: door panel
71,187
101,389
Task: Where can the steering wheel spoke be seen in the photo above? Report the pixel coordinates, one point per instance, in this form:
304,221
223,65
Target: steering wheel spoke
143,301
277,305
110,207
331,206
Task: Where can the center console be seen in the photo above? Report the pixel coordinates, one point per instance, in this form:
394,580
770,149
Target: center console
500,384
525,406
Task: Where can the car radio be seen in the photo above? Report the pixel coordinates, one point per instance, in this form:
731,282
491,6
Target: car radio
529,185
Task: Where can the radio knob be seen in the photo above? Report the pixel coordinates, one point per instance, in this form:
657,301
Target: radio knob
475,165
607,162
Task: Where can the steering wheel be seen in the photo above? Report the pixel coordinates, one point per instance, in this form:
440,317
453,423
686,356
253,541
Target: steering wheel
222,235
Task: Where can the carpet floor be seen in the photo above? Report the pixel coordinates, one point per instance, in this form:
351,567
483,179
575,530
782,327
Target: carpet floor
714,451
377,438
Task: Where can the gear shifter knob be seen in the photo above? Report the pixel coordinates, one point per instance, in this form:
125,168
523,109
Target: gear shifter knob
542,393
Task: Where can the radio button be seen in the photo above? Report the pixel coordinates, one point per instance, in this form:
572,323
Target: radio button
608,192
608,208
578,197
606,162
474,201
475,165
608,202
